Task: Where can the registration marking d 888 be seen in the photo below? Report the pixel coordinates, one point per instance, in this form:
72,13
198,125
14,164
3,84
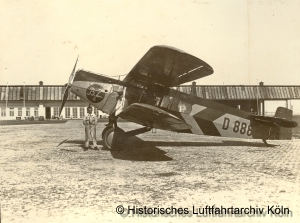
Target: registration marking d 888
238,126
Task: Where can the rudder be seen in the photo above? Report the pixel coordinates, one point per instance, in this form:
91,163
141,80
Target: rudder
284,133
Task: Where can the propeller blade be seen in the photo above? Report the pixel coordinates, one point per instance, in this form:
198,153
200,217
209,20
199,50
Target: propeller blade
71,78
65,97
67,90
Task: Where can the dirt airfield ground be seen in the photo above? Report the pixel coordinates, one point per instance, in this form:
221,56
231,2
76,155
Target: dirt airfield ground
41,182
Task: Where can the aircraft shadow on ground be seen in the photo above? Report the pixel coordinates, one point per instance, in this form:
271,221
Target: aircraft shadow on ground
134,149
79,143
208,144
134,142
138,150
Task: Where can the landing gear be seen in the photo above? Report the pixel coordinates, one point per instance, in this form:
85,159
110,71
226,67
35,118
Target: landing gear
113,138
107,136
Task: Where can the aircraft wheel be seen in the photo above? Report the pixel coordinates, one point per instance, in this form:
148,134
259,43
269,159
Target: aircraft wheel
106,129
113,138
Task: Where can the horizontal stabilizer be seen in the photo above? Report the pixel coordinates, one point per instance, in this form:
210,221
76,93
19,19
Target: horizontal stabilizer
275,120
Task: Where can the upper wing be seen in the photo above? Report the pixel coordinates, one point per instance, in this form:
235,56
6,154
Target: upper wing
167,66
152,116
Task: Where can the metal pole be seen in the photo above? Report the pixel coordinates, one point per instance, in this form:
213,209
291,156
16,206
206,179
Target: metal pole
6,96
258,109
24,94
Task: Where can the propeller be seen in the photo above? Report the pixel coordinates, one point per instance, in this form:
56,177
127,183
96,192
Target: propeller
69,85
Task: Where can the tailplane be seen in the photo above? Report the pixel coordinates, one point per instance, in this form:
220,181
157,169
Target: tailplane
277,127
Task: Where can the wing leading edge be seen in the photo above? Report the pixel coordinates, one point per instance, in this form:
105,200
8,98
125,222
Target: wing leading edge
167,66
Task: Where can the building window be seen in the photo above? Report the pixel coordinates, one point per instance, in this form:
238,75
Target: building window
75,115
27,111
3,112
11,112
36,112
56,111
67,112
19,111
81,114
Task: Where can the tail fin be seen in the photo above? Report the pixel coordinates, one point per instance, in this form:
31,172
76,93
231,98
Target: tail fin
277,127
284,133
282,112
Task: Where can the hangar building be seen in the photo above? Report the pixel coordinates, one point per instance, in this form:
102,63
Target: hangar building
39,100
250,98
19,101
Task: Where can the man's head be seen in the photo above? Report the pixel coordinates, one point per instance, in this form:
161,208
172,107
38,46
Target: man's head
89,109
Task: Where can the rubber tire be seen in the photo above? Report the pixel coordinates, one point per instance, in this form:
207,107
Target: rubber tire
108,135
106,129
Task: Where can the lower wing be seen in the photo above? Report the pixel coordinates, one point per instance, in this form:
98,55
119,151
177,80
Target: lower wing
151,116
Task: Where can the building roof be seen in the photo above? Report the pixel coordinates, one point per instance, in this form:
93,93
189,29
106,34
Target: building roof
244,92
216,92
34,93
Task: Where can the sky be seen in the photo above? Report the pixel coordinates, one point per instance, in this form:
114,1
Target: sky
245,41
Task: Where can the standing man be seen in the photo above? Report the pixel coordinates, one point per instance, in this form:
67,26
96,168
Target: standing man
90,122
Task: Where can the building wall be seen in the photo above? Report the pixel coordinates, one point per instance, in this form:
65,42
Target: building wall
46,98
11,109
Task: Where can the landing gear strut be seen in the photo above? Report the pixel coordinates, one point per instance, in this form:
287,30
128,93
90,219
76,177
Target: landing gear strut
114,138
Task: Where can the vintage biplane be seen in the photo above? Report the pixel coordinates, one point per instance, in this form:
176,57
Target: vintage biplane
148,96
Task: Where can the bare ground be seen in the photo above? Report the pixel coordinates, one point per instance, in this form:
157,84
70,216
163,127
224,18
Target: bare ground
41,182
